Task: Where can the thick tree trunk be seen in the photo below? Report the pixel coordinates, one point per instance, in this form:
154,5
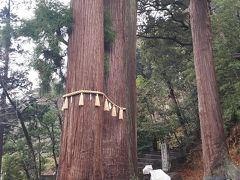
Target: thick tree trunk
215,155
119,136
81,155
130,57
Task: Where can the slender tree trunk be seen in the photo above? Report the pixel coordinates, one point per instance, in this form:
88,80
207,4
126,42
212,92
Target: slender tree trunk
215,155
119,136
53,146
39,156
81,145
179,114
1,146
26,171
25,132
6,46
1,125
59,115
51,135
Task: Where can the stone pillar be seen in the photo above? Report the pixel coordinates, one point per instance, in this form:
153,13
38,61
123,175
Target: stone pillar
165,157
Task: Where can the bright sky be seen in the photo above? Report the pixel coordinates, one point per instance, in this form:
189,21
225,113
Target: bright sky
25,9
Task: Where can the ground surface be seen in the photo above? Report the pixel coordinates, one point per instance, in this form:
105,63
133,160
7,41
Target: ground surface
193,169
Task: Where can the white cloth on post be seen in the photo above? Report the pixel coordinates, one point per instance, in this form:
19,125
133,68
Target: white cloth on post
157,174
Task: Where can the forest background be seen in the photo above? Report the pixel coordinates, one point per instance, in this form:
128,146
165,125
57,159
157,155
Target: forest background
31,117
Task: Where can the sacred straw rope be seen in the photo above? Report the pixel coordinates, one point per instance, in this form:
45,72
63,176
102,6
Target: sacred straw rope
92,92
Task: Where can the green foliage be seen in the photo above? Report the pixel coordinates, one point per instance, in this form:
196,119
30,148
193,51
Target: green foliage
50,28
109,34
165,20
226,30
43,125
106,65
167,101
6,29
165,68
13,167
51,17
6,35
164,65
15,81
45,71
165,61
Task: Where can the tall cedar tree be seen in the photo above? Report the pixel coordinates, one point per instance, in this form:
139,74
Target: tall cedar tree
215,155
119,136
81,155
81,148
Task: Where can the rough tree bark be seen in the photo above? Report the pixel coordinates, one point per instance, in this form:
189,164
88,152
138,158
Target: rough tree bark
119,136
215,155
81,155
130,57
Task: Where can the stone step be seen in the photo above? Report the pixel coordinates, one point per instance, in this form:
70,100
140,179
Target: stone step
148,160
172,155
152,156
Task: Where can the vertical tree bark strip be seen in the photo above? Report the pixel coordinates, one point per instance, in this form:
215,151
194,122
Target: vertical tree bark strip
115,134
119,144
82,132
215,156
130,57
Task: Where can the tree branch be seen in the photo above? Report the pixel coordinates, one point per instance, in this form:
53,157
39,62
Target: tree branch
24,128
174,39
